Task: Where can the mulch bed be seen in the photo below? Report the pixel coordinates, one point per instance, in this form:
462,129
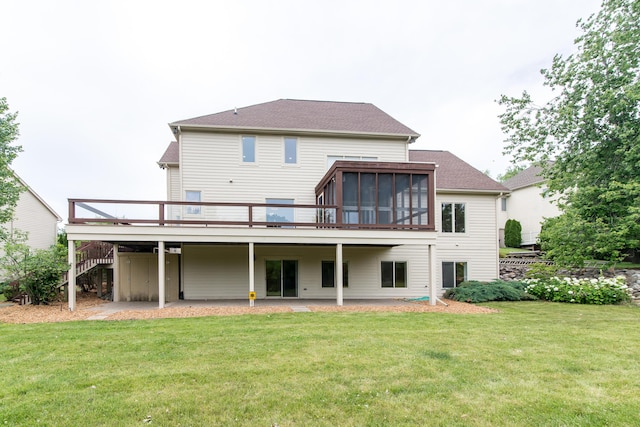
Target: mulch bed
59,312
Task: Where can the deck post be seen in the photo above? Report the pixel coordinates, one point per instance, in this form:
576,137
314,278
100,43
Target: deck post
338,269
71,276
432,275
252,270
161,214
161,274
100,275
115,288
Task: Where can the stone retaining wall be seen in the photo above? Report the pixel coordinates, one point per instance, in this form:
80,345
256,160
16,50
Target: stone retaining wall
517,272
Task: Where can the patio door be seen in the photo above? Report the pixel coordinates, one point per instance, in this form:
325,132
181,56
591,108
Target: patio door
282,278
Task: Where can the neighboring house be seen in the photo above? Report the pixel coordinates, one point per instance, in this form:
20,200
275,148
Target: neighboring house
35,217
301,199
527,204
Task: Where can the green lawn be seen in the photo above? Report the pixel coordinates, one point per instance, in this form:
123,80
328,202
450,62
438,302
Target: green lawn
532,364
506,251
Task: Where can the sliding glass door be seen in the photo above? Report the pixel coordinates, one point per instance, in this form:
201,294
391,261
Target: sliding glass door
282,278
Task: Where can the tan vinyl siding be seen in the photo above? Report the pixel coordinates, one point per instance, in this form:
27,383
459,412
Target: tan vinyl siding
33,217
215,272
478,246
174,191
221,271
173,179
365,267
212,164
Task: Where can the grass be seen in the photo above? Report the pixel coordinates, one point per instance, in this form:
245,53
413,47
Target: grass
506,251
532,364
629,265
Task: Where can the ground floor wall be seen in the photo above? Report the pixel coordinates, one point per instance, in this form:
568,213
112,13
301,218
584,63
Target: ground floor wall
481,265
205,272
138,277
222,271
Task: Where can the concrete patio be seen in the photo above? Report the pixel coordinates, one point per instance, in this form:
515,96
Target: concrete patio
297,305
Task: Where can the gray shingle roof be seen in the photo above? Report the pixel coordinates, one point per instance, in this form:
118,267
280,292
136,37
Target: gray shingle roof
301,115
528,177
454,173
171,154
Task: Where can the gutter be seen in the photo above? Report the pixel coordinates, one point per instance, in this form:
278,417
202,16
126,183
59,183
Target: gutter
290,131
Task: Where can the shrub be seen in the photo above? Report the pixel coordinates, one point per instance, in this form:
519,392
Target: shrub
43,271
498,290
541,271
9,290
37,273
580,291
512,233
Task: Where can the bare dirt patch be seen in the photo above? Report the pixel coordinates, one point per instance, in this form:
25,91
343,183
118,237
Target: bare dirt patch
87,304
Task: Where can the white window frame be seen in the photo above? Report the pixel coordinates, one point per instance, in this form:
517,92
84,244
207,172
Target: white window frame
453,218
395,281
454,275
286,211
193,210
242,150
289,139
345,274
332,159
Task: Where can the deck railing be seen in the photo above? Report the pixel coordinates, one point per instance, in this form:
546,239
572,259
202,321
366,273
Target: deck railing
215,214
89,255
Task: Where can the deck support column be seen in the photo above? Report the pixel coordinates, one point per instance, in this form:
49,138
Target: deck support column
115,289
161,274
433,297
339,284
71,275
252,270
100,275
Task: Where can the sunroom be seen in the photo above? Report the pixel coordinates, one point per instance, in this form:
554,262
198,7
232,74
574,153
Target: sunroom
378,195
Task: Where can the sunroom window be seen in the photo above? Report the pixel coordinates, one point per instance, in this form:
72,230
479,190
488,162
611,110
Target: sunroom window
380,194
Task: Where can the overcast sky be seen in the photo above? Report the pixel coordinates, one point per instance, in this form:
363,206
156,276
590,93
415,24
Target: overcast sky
95,83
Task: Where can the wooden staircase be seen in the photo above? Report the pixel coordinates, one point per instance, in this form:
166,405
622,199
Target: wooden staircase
88,256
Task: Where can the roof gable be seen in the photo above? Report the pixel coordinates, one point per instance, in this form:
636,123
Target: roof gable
454,173
306,116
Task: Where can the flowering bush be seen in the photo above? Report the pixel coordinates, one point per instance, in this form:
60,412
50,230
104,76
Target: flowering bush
579,291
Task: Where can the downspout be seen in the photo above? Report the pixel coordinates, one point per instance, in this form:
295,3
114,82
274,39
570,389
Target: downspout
498,237
433,295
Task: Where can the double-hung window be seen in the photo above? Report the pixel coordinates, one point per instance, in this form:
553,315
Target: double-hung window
248,149
291,151
280,213
193,196
393,274
453,218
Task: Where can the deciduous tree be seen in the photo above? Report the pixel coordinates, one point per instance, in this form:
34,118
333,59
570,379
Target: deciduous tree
9,185
591,128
